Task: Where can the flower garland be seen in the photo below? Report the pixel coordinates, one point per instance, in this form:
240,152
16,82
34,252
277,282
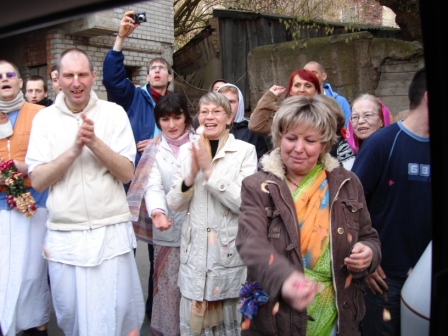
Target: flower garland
17,197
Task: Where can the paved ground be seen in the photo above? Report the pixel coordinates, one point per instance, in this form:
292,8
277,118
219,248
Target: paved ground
143,270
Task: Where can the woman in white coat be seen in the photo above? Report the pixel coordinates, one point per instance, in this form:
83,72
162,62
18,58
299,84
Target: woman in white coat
208,185
152,181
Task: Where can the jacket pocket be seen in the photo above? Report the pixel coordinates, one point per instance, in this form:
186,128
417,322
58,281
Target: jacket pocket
185,240
228,252
351,210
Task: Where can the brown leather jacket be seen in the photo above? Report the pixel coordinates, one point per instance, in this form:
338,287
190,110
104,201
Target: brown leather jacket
260,121
267,230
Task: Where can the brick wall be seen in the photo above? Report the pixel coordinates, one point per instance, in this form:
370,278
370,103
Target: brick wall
154,38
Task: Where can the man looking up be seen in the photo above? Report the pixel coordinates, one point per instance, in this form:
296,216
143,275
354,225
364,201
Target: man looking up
54,80
326,89
36,91
394,167
83,150
24,290
139,104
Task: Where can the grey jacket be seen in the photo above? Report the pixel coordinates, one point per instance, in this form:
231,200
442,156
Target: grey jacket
268,227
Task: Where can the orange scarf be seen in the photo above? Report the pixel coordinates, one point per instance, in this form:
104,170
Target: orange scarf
312,208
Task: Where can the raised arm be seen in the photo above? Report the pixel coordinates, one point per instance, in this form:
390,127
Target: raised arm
260,121
119,88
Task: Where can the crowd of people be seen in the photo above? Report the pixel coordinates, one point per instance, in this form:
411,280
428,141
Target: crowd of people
313,234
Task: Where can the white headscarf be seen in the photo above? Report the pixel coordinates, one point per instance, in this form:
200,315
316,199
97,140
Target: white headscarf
240,112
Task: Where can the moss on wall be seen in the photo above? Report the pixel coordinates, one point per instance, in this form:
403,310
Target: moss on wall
354,64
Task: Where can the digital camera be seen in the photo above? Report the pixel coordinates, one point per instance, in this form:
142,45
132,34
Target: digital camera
139,17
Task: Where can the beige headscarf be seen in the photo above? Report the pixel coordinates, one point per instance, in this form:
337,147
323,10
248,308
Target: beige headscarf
6,129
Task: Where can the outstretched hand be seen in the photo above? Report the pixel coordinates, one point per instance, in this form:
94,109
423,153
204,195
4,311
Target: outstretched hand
160,221
127,25
298,291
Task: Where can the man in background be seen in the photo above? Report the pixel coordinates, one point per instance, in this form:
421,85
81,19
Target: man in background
326,89
139,105
394,167
54,76
36,91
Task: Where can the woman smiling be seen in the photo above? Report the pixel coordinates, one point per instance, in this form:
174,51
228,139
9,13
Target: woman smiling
208,185
152,181
301,83
304,230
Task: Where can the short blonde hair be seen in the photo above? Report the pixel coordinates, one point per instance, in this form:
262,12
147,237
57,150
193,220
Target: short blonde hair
309,112
216,98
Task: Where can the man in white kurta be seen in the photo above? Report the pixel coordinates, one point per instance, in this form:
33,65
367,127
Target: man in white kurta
83,149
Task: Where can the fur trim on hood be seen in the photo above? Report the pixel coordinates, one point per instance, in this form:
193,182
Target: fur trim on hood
272,163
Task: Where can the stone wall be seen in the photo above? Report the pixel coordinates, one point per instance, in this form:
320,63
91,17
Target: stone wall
43,47
355,63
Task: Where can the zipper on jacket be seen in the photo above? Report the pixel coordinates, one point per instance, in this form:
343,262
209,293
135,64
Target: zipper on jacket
331,249
83,184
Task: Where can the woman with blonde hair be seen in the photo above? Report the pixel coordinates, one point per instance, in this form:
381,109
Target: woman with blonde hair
304,231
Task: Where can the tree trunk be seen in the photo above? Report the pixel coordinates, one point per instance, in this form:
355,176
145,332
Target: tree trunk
407,17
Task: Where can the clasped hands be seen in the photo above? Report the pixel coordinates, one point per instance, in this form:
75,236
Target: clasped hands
201,159
86,134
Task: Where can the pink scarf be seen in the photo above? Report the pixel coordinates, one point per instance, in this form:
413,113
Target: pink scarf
176,143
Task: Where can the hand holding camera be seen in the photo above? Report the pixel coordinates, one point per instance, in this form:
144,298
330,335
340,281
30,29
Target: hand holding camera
129,22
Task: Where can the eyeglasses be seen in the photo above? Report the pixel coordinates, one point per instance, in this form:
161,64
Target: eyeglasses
367,116
216,113
8,75
160,67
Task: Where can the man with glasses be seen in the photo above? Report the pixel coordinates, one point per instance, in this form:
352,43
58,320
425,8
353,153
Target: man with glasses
139,104
24,290
394,167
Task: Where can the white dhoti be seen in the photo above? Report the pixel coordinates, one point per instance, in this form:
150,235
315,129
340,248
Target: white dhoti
103,297
24,290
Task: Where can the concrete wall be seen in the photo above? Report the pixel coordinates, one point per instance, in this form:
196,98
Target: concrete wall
355,63
94,34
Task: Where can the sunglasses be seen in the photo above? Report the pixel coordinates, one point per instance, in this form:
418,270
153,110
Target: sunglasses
8,75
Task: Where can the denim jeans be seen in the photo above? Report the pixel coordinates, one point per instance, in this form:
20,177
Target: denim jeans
373,323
